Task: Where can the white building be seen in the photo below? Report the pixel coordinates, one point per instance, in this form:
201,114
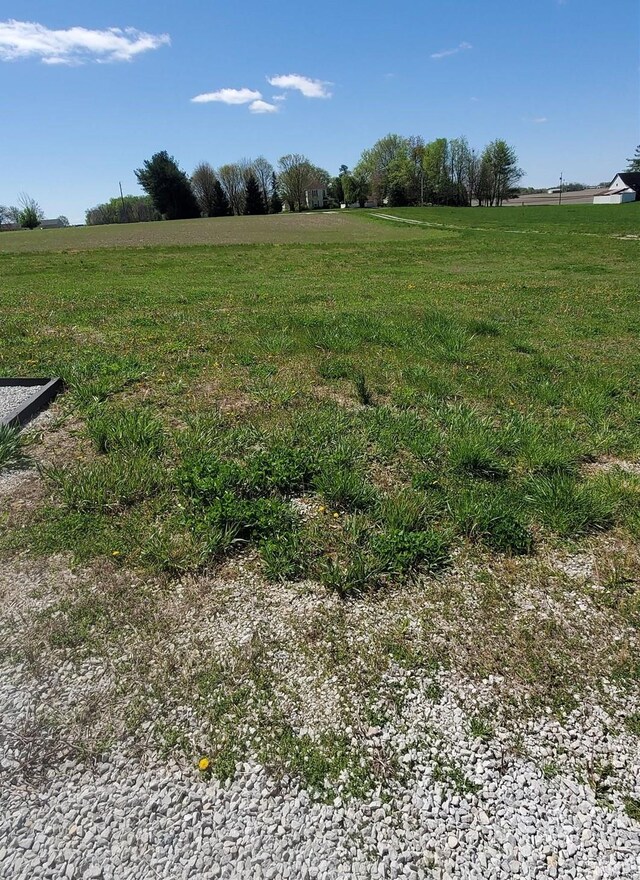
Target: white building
315,196
624,187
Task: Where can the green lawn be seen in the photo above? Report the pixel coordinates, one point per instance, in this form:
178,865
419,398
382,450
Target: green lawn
430,391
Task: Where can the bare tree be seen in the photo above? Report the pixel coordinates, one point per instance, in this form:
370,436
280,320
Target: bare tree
233,180
296,174
203,183
263,170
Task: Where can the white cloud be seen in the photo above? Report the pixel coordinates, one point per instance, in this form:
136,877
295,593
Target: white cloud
76,45
279,98
263,107
310,88
229,96
540,120
462,47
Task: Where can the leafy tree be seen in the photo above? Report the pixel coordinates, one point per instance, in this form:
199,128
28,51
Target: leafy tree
203,183
13,215
275,203
253,200
338,189
127,209
356,188
377,163
169,187
499,172
31,214
634,163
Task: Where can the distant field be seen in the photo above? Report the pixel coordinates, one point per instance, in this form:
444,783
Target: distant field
581,197
275,229
322,227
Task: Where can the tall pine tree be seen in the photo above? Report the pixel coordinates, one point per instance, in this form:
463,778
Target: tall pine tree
253,201
275,202
220,207
169,187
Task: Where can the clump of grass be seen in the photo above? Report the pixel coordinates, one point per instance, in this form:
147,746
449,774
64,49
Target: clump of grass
363,392
126,430
480,728
632,808
349,578
493,518
482,327
406,510
336,368
476,456
107,485
346,489
567,506
12,454
285,556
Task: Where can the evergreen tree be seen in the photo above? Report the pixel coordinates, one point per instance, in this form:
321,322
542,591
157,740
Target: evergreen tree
275,203
253,201
168,186
220,207
634,163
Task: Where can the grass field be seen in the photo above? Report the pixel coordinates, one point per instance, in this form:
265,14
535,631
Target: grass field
353,402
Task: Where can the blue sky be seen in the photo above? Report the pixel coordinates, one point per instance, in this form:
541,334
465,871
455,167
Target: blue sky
82,108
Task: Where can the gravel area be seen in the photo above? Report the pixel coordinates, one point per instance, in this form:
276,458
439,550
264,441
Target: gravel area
125,817
13,396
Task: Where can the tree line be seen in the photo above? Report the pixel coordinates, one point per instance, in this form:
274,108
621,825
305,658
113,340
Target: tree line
27,214
396,171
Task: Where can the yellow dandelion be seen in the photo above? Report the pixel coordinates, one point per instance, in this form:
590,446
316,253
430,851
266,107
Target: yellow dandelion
203,764
321,509
336,516
116,553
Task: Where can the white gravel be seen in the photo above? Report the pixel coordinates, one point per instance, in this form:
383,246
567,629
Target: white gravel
13,396
123,817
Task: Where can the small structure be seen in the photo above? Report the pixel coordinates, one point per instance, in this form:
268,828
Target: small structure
21,399
57,223
315,196
625,187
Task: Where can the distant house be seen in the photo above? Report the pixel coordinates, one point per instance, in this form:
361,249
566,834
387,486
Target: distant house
625,187
58,223
315,196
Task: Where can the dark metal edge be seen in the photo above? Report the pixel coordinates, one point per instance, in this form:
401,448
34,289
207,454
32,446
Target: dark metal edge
35,403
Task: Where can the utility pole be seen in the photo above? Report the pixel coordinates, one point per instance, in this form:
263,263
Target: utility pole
124,212
560,195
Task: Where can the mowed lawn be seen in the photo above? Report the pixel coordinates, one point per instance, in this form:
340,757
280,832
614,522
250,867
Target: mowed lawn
410,424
